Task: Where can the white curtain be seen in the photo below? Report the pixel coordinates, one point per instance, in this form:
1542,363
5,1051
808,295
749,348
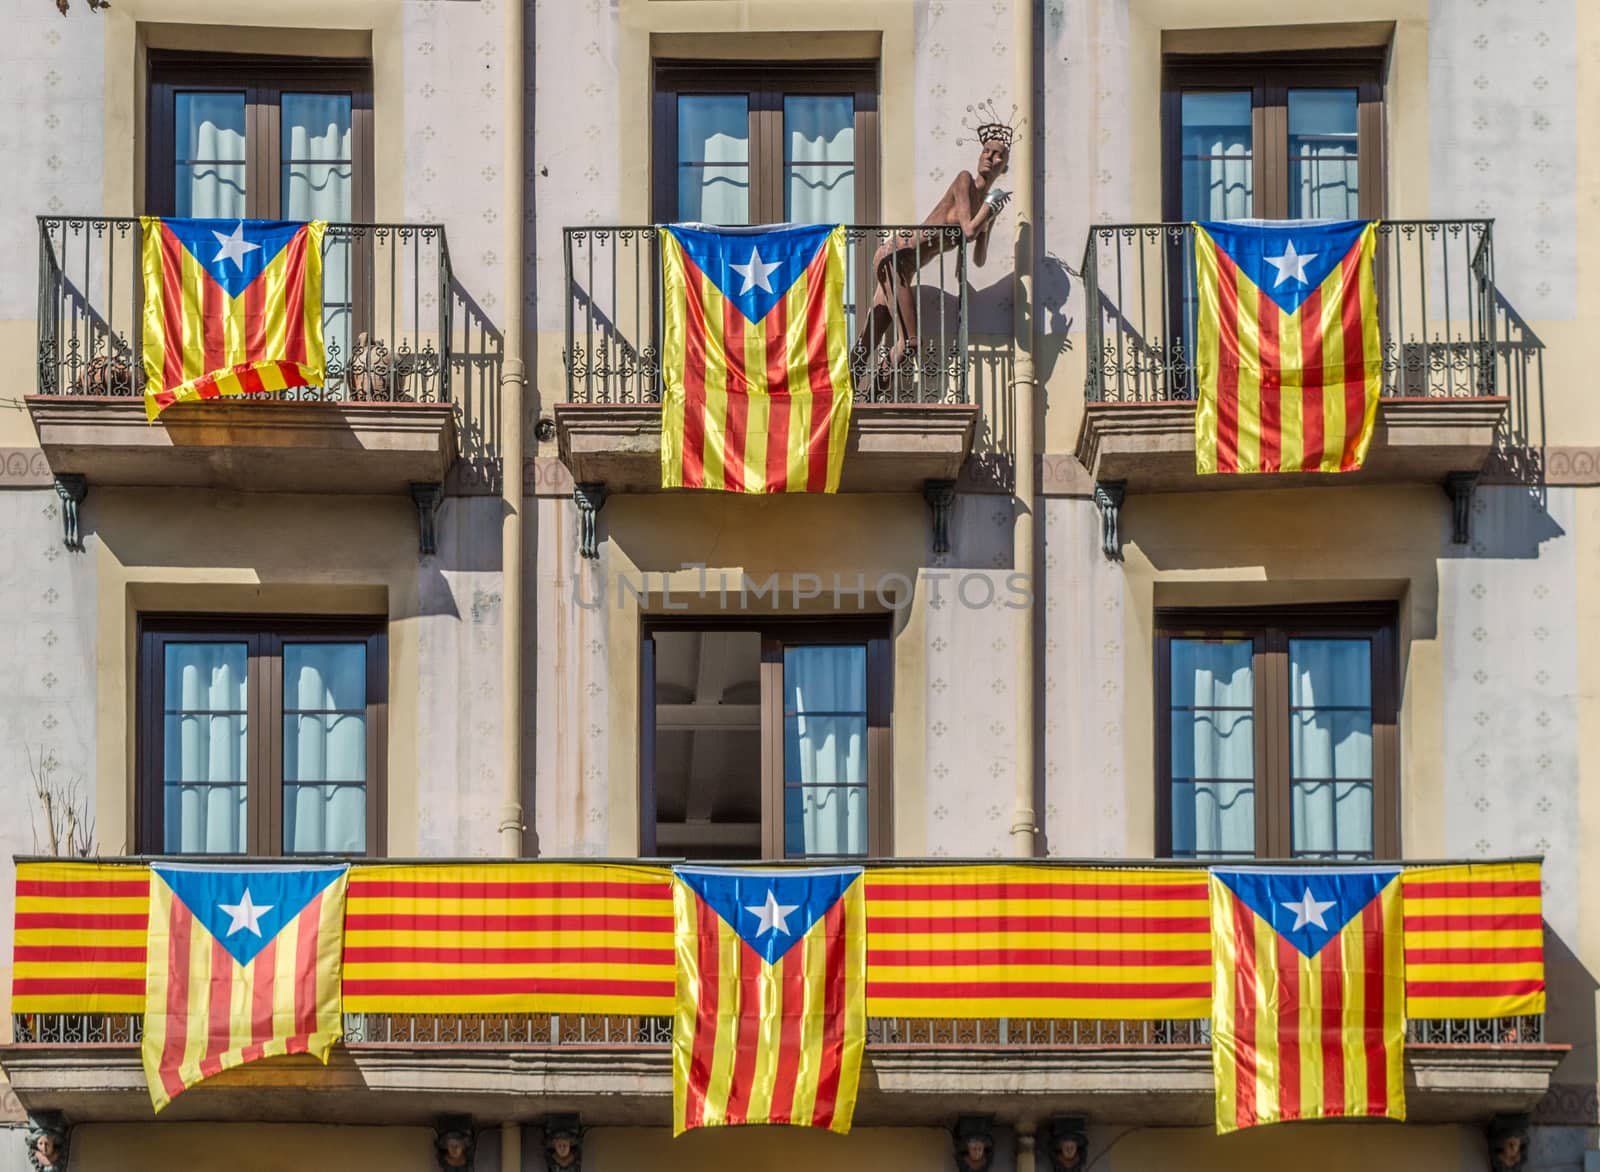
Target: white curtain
210,128
318,184
324,748
820,159
1331,745
714,131
825,746
1323,144
204,771
1218,180
1213,747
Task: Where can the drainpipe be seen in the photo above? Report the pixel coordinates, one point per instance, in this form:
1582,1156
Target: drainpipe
1023,830
513,383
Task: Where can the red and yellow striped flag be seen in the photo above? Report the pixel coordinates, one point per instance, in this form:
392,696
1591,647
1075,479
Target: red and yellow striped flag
243,963
991,941
231,307
756,359
1474,940
509,938
1288,353
771,1014
1308,995
79,945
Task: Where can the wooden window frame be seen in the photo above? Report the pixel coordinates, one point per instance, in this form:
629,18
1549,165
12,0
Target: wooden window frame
1269,77
777,634
765,84
264,639
1271,628
264,80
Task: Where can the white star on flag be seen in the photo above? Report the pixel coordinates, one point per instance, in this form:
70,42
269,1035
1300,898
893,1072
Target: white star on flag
773,914
1309,911
1290,264
755,273
233,246
246,914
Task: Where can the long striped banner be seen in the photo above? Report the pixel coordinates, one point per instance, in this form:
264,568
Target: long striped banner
1474,940
79,945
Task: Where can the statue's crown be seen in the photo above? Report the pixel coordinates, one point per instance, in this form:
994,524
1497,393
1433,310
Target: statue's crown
985,123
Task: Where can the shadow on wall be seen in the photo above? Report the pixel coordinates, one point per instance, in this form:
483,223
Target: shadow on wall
1519,455
1569,1019
476,358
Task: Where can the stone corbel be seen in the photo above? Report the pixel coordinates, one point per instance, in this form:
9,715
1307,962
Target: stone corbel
71,487
428,496
563,1143
455,1144
973,1139
590,496
1108,496
1459,487
1069,1143
941,498
47,1140
1508,1143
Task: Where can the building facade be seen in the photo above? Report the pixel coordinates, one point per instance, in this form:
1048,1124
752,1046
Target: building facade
337,624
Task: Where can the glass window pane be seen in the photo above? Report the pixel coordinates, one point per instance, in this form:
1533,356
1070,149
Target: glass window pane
1333,819
714,159
1330,746
825,820
1330,673
819,137
317,157
1213,743
1213,818
324,741
1216,148
204,747
1212,672
209,138
1323,154
825,749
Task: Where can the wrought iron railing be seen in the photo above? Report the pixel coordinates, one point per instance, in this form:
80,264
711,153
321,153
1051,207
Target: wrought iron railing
537,1030
386,307
906,321
1443,328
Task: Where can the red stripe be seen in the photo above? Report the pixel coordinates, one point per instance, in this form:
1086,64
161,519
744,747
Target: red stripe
456,922
1473,988
77,986
1311,376
265,969
212,302
1268,318
779,402
305,971
1227,364
747,1035
84,888
833,978
72,953
1473,889
503,890
708,934
179,926
255,321
219,1010
818,372
993,924
1289,1004
1533,954
401,954
1377,1065
1110,891
1244,997
249,379
792,976
497,986
694,374
1355,367
1476,922
1044,990
1332,962
738,411
172,306
294,282
1004,957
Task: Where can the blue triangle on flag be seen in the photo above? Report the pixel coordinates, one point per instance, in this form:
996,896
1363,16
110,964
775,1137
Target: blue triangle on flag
1308,908
753,267
769,909
1286,259
245,907
234,252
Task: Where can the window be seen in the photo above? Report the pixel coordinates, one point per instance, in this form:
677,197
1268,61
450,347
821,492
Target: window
1273,139
1276,733
261,740
764,144
765,741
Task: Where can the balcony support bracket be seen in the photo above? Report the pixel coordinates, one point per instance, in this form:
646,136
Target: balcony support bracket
941,498
71,487
428,496
1108,496
47,1138
1460,487
590,496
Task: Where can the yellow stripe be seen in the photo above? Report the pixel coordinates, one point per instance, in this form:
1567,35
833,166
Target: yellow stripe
155,342
799,388
283,982
156,986
716,386
330,952
1249,375
199,1008
241,990
1312,1104
1207,351
1372,359
855,1004
757,410
808,1070
316,346
1224,1011
1291,398
728,1008
191,278
1269,1066
1353,1020
838,356
674,357
1394,993
768,1040
687,999
1332,372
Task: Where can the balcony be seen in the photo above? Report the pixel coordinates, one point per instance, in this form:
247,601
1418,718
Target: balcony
616,1067
383,421
913,417
1450,354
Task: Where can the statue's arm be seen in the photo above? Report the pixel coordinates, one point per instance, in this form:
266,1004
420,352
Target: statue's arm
974,215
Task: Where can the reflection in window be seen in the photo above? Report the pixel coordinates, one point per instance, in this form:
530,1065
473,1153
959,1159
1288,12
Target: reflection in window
318,167
1213,747
1330,735
825,750
714,159
1323,150
324,748
210,137
203,768
1217,152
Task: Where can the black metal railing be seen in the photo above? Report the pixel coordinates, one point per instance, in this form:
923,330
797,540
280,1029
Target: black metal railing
906,321
386,306
537,1030
1443,328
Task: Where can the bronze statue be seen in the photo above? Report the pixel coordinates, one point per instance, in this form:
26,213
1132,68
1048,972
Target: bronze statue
970,203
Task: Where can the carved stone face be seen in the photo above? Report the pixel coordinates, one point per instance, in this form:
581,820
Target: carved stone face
561,1152
1067,1153
976,1154
455,1151
993,159
1509,1152
48,1149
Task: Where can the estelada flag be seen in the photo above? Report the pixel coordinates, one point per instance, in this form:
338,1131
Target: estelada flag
771,1014
1288,354
1308,994
242,963
231,307
756,358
